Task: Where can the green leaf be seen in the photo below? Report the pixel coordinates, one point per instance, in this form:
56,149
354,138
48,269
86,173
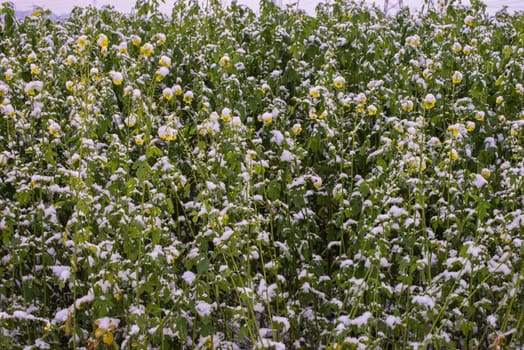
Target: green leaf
273,190
170,206
203,265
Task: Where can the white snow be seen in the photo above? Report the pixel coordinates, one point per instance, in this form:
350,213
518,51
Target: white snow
62,272
278,137
189,277
358,321
283,321
287,156
204,309
424,300
107,323
391,321
479,181
61,315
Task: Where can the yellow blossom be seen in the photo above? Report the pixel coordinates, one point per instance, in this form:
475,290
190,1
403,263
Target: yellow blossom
361,99
454,129
70,60
8,74
32,57
457,77
139,141
122,48
413,41
317,181
225,61
470,126
94,74
161,73
427,74
147,49
314,92
33,87
4,89
53,128
480,116
296,129
339,82
117,77
457,47
429,101
81,41
226,115
499,100
372,110
167,93
102,41
130,120
453,155
108,338
407,106
486,173
160,38
164,61
267,118
136,40
34,69
188,97
167,133
177,90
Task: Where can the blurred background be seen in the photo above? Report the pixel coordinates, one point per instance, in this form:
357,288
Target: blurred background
62,7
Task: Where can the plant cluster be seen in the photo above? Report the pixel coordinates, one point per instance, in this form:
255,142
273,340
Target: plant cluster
220,179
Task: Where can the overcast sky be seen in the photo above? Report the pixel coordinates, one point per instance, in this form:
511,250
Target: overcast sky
64,6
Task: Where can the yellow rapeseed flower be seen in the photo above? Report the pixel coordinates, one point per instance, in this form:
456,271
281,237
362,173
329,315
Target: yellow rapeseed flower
34,69
32,57
167,93
146,50
164,61
136,40
81,41
226,115
339,82
480,115
188,97
225,61
314,92
296,129
429,101
453,155
372,110
407,106
103,40
8,74
457,77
